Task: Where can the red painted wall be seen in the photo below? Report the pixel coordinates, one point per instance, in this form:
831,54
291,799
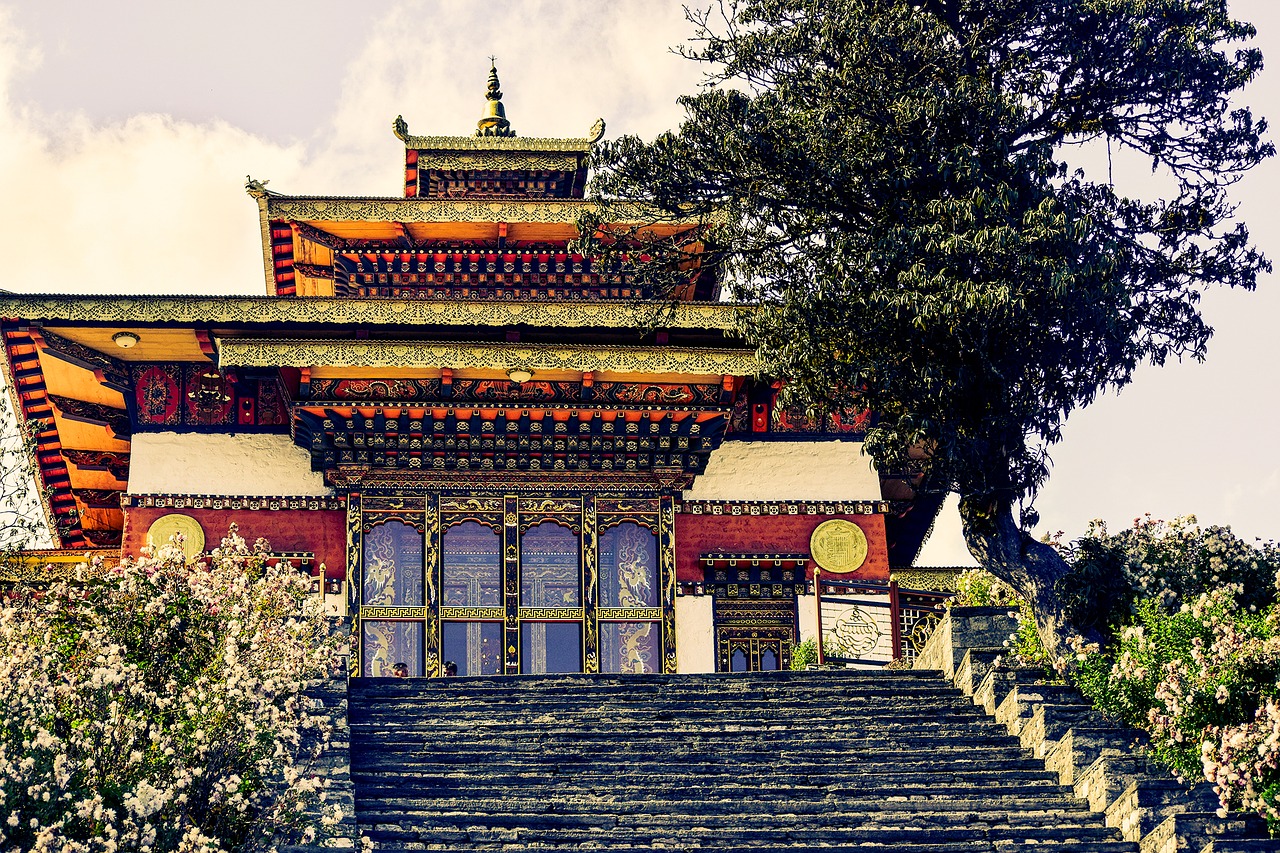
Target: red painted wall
769,534
323,532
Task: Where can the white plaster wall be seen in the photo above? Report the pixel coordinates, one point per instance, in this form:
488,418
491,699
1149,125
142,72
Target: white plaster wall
808,617
199,464
695,634
787,471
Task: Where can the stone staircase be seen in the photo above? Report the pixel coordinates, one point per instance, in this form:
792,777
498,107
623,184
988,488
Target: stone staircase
831,760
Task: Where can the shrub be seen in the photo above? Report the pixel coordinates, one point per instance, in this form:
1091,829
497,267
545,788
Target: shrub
1195,654
158,706
805,654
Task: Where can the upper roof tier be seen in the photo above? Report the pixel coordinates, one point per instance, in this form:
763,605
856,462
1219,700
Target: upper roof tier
488,216
495,162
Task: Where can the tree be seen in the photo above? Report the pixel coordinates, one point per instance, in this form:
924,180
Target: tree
889,182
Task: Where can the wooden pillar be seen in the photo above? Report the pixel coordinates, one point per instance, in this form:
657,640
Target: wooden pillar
355,578
511,584
667,578
431,557
590,587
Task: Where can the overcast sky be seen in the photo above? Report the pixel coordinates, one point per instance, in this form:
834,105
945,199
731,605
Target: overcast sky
127,129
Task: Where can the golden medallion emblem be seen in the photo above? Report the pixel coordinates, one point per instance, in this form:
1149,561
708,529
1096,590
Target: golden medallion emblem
164,527
838,546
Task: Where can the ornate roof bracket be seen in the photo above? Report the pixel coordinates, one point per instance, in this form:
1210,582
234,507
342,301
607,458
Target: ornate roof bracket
111,372
115,420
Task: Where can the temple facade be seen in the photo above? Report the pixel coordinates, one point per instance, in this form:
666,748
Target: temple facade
486,448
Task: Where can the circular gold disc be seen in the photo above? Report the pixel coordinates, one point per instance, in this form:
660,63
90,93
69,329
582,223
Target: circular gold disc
164,527
838,545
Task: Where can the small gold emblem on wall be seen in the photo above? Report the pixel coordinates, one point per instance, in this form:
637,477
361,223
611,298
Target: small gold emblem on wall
838,546
164,527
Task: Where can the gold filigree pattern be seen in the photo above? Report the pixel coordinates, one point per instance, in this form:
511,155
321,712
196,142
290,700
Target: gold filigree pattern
550,505
453,504
629,613
135,310
274,352
471,613
514,161
550,612
522,144
379,612
418,209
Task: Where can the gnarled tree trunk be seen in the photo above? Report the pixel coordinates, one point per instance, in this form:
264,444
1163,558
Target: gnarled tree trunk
1031,567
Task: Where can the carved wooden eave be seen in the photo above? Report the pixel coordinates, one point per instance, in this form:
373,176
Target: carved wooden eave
76,396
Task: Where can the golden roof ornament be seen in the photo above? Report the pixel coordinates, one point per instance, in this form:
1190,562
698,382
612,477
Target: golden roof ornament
494,122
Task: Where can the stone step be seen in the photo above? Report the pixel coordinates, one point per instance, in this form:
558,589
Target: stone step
890,844
531,761
373,815
775,761
697,836
595,803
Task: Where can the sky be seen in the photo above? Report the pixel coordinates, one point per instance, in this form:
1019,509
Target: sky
127,130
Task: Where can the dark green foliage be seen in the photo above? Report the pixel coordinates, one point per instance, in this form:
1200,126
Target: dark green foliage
1096,594
888,180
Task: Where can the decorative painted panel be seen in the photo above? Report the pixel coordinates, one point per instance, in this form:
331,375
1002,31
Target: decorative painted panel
384,643
630,647
628,566
392,557
472,559
549,567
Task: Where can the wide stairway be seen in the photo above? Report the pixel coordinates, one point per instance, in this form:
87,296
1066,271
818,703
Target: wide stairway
832,761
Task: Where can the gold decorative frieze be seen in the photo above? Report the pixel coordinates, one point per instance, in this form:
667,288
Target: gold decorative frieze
550,613
550,505
270,502
513,161
630,614
133,311
275,352
369,611
418,209
465,504
485,144
782,507
472,613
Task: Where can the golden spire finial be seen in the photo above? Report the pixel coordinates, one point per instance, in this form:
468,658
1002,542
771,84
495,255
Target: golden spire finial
494,122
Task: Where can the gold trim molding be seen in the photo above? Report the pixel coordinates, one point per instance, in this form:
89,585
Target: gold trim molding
368,312
266,352
420,209
521,144
551,161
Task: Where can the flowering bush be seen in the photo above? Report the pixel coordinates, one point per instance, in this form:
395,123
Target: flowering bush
1196,663
159,705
